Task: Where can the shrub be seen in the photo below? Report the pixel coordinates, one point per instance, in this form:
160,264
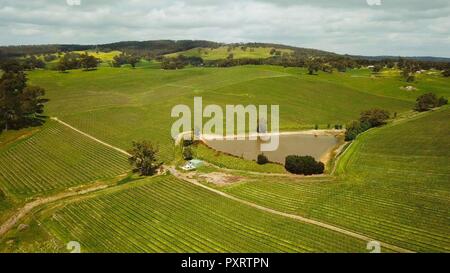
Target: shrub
144,158
370,118
375,117
442,101
429,101
262,159
306,165
188,153
446,73
187,142
354,129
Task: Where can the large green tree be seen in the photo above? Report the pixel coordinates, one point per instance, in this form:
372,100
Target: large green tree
20,104
429,101
144,158
313,65
88,62
375,117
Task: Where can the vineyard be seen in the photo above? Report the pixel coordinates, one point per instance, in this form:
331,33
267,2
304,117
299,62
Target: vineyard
56,158
390,185
383,191
168,215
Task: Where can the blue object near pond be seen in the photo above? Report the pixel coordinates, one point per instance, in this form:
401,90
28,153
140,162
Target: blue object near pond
196,163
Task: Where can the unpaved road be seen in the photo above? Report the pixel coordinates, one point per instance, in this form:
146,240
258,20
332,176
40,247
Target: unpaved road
27,208
180,175
91,137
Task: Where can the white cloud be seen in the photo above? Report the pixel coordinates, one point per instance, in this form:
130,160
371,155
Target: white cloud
397,27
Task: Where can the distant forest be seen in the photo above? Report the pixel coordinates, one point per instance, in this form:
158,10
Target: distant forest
300,57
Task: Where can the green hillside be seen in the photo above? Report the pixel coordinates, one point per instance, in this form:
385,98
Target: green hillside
238,52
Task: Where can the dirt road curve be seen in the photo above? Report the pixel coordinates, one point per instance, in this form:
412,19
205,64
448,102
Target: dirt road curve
22,212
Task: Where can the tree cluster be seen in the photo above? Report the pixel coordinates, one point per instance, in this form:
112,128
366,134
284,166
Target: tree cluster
368,119
180,62
20,104
32,63
124,58
76,61
429,101
305,165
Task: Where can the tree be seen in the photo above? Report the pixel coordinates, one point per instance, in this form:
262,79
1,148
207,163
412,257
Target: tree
313,65
375,117
377,69
88,62
32,101
306,165
354,129
442,101
61,67
188,154
262,159
50,57
408,71
32,62
69,61
327,68
19,103
429,101
11,66
144,158
133,60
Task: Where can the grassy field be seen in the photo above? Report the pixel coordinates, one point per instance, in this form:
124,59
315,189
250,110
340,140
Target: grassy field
167,215
392,185
103,56
231,162
224,51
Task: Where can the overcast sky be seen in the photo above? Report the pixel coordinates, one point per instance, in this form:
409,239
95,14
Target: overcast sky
396,27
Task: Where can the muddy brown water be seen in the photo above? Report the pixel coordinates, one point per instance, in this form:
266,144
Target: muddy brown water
318,146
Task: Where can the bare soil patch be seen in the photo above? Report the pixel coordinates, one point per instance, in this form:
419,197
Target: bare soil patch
221,179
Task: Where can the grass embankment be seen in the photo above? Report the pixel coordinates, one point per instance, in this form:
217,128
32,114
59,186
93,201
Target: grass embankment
231,162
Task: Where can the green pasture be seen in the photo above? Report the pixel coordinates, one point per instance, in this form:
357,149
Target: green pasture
224,51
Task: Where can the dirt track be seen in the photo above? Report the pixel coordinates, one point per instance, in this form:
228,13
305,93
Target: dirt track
292,216
27,208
